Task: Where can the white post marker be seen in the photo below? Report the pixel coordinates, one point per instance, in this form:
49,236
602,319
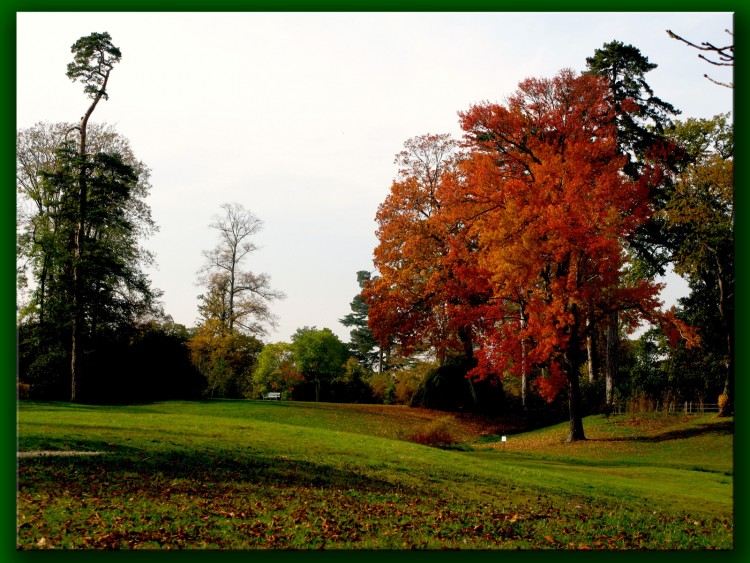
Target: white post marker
503,439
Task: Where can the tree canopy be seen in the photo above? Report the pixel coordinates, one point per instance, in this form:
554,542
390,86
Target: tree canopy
319,356
517,247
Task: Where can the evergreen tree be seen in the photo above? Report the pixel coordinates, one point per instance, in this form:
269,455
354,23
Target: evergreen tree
641,119
113,291
363,344
94,57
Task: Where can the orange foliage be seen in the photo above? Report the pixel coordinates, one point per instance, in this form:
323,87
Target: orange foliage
519,242
418,299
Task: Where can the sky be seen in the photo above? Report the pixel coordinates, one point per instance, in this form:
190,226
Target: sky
298,117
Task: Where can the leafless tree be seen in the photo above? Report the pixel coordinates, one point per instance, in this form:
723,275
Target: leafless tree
717,56
240,299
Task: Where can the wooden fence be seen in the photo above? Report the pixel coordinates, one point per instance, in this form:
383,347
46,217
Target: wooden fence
688,407
700,407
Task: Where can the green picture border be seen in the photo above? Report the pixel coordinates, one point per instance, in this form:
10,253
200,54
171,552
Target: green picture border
7,259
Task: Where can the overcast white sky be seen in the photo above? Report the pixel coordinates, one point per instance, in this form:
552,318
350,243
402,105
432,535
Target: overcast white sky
298,116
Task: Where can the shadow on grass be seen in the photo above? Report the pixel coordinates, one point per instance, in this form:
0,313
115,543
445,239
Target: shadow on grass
716,429
221,468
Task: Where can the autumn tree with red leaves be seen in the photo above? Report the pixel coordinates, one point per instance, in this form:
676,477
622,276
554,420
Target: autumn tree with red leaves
418,300
513,251
550,222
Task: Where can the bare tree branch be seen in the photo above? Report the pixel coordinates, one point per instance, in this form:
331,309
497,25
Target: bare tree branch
725,55
240,298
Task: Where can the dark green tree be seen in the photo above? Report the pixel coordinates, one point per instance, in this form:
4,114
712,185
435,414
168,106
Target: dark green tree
94,57
157,366
319,356
641,116
114,293
351,385
641,119
79,234
39,228
363,345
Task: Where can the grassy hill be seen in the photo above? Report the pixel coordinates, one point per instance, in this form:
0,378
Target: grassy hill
253,474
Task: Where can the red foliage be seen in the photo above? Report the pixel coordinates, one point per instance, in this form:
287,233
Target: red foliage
427,277
551,211
549,384
517,243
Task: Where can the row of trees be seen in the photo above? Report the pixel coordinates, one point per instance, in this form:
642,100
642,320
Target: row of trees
513,252
518,257
90,325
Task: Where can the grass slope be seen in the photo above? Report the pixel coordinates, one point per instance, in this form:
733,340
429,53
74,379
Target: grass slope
252,474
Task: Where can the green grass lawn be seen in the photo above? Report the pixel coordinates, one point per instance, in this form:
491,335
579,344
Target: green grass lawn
287,475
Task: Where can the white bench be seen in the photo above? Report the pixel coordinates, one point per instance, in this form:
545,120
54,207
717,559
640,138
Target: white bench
272,395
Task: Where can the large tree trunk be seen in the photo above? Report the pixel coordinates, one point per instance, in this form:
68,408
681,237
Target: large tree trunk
524,362
575,431
591,352
78,251
467,341
230,312
524,375
573,360
613,343
43,288
727,409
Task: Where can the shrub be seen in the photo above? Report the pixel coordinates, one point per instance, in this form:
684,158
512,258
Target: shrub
437,434
23,391
407,383
381,387
640,403
446,388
